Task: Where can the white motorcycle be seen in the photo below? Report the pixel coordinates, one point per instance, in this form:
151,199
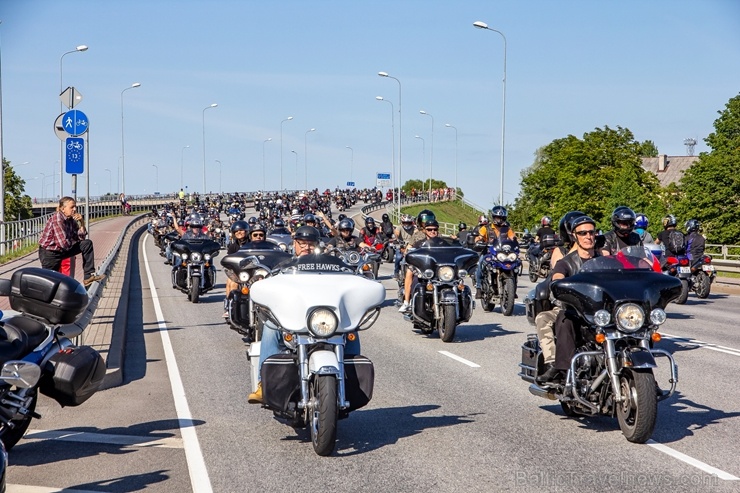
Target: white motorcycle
318,305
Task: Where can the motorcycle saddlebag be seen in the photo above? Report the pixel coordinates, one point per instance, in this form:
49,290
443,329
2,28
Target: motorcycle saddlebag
281,382
73,375
359,379
47,294
530,355
538,300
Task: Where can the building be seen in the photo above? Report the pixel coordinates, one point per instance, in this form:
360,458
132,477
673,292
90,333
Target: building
668,169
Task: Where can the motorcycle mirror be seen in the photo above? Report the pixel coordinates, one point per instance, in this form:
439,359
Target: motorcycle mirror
5,287
23,374
470,240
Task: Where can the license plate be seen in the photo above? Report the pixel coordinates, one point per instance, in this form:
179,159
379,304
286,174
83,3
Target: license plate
684,270
707,268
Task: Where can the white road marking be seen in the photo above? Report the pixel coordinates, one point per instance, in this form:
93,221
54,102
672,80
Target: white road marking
704,345
693,462
461,360
23,488
86,437
196,464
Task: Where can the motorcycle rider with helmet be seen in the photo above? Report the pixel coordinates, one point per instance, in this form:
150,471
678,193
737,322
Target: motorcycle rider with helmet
305,240
429,227
239,231
544,230
641,225
386,226
623,234
488,234
695,242
664,237
279,228
371,234
345,240
462,234
404,232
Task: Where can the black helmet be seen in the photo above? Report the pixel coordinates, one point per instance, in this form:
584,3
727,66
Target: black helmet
279,223
692,225
307,233
424,216
623,214
346,224
577,221
669,221
195,221
369,222
309,218
432,222
252,221
564,226
385,218
258,227
239,226
499,215
462,226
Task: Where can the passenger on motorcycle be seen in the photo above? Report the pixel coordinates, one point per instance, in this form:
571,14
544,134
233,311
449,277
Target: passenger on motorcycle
583,236
641,225
404,233
623,234
305,240
430,230
488,234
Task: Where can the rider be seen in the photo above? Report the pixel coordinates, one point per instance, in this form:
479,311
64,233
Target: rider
238,240
194,232
672,239
462,234
623,234
404,233
583,236
305,240
279,227
489,234
641,225
371,234
346,240
386,226
428,228
695,242
545,229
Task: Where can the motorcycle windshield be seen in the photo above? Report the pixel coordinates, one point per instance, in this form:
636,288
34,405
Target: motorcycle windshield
201,246
505,245
269,256
628,276
430,255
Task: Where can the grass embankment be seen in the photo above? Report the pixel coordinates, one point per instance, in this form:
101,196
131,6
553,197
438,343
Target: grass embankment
447,212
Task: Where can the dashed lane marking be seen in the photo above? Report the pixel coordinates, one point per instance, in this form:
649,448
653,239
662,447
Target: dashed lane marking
461,360
106,439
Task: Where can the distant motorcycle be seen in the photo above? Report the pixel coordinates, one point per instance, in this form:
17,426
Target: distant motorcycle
702,276
499,276
539,256
195,274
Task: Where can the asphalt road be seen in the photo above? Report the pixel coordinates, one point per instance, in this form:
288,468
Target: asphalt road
181,421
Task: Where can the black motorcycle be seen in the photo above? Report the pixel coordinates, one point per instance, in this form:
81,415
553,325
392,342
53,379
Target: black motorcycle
439,298
245,267
618,304
539,256
194,274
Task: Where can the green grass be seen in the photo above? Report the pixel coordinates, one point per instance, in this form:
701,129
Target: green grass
18,253
446,212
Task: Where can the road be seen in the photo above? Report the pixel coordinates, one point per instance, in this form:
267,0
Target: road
444,417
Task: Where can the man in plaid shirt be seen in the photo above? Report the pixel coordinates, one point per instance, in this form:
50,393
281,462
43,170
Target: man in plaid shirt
64,236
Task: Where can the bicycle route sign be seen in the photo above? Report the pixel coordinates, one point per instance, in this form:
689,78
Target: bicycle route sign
75,162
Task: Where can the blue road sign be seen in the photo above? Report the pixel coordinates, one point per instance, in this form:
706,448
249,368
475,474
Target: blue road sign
384,176
75,155
350,184
75,122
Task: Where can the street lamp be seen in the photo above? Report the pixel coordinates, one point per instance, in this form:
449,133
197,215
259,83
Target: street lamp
296,169
263,161
305,157
123,154
110,180
281,150
219,176
431,152
61,110
385,74
452,126
483,25
423,158
156,177
182,162
393,139
204,144
352,162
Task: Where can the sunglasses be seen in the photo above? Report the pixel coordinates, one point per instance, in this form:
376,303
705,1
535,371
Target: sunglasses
258,235
589,232
432,229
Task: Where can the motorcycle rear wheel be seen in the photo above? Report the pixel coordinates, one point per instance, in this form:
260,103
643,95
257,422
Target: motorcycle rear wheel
324,414
11,436
639,411
702,285
448,324
684,292
533,272
507,297
194,292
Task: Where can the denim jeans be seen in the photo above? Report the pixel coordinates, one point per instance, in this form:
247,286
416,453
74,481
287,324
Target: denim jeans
397,262
479,271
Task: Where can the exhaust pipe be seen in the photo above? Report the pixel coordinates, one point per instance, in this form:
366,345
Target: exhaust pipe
540,392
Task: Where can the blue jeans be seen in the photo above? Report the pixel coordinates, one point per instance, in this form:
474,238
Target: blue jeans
272,343
397,262
479,271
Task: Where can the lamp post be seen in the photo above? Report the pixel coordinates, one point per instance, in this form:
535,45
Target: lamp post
305,157
219,176
393,139
423,158
352,162
263,161
204,144
483,25
296,169
281,150
156,177
454,127
182,164
431,152
123,154
61,110
110,181
385,74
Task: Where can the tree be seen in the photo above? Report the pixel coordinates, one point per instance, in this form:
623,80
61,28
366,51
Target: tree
710,189
17,205
648,149
420,185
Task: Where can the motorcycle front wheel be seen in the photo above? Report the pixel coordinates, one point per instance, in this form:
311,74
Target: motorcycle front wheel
447,325
507,296
638,412
702,285
684,292
324,414
533,272
194,291
11,436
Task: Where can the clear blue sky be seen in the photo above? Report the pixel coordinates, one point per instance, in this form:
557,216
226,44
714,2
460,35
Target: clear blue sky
661,68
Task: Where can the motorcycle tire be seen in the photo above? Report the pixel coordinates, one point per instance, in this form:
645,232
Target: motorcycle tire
702,285
386,255
533,274
684,292
11,436
323,414
507,297
448,324
194,292
376,266
639,411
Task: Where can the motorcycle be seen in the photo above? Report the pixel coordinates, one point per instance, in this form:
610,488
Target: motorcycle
439,298
195,274
363,262
680,268
37,350
246,267
618,302
317,304
702,276
499,275
539,256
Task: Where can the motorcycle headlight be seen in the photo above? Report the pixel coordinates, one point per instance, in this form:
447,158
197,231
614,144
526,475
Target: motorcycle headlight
261,273
501,257
353,258
658,316
207,256
322,322
462,273
630,317
184,256
602,318
446,273
243,276
196,257
428,274
511,257
283,246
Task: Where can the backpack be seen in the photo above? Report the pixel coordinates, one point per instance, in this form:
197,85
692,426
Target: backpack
676,242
